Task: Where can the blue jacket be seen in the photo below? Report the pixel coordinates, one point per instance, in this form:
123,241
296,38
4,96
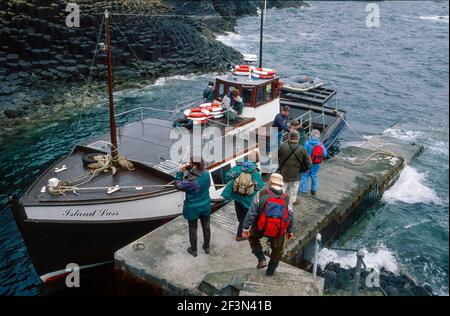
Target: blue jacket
198,201
280,121
244,200
310,145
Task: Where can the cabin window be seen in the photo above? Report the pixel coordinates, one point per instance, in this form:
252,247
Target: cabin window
247,95
218,176
269,92
260,95
221,90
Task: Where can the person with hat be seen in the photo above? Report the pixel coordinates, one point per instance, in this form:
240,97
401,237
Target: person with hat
243,182
269,216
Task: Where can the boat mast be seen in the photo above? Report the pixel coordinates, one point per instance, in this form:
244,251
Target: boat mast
263,5
112,118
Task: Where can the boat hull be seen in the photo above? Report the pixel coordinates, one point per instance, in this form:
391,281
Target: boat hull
54,240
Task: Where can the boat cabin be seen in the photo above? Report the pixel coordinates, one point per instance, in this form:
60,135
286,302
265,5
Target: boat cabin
260,96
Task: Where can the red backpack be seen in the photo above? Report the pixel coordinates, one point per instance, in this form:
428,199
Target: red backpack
274,220
317,154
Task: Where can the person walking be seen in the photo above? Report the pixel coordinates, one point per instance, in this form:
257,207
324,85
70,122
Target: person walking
243,182
293,160
193,179
269,216
317,151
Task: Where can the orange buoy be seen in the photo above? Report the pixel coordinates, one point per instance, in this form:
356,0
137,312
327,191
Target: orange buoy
198,115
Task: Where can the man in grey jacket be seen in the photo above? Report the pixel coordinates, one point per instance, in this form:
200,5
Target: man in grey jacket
257,208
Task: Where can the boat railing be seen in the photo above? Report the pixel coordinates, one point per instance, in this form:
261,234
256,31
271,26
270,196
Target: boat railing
179,108
306,120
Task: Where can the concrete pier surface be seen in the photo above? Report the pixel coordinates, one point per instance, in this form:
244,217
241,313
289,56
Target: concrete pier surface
159,262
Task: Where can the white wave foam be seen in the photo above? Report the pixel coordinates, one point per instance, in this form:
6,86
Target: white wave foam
440,148
439,18
423,221
407,136
382,258
229,38
410,189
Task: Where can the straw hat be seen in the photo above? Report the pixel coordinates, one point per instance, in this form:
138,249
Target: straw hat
276,181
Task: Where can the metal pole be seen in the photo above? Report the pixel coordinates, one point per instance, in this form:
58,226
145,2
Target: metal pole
261,34
316,254
357,276
112,118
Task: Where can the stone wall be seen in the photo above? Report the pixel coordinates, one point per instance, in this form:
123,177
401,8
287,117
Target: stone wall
40,56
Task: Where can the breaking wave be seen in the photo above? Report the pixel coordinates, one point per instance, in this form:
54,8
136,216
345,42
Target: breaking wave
439,18
410,189
382,258
407,136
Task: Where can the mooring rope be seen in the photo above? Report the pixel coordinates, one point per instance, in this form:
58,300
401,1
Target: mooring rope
379,151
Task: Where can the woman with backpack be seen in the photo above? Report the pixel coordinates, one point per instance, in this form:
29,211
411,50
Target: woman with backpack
243,181
269,216
317,151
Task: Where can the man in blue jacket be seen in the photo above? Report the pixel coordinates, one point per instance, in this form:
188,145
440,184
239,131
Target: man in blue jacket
242,202
197,205
281,123
317,151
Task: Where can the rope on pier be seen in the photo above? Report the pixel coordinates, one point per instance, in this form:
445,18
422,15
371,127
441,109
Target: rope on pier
379,151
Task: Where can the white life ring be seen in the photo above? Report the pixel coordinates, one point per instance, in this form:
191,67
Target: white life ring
215,109
197,115
264,71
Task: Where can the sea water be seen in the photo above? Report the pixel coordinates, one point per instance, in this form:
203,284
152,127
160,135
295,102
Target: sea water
397,72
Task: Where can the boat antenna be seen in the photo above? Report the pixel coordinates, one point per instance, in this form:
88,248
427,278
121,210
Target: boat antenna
263,6
112,118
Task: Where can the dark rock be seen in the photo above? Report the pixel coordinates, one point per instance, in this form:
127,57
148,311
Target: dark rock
13,113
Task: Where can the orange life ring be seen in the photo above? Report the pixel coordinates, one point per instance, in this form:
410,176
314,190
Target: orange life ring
196,113
256,76
265,71
243,68
215,109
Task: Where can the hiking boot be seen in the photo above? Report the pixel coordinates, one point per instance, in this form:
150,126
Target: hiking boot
297,201
240,238
271,267
313,192
192,252
261,264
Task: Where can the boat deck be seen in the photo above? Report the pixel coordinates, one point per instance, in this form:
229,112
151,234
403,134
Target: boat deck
141,181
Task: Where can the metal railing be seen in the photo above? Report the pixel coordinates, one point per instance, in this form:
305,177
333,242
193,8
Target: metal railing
179,108
359,263
305,118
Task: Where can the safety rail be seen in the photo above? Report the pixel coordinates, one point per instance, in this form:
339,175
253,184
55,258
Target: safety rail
180,107
359,263
302,120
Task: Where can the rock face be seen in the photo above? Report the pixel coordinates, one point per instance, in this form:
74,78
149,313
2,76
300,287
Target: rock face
149,39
